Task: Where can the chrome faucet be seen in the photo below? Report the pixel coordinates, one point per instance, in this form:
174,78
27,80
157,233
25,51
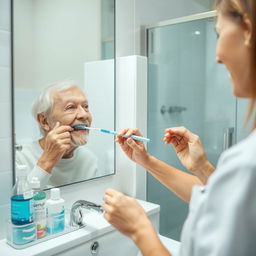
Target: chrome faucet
76,214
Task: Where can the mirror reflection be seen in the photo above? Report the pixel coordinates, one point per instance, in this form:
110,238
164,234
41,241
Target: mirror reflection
63,57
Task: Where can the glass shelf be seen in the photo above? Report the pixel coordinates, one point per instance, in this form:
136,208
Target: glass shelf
16,234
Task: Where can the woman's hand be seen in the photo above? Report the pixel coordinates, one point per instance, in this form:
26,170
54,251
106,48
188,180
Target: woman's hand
188,148
134,149
125,214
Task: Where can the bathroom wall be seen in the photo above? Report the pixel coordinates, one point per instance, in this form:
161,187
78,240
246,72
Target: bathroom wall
5,106
40,39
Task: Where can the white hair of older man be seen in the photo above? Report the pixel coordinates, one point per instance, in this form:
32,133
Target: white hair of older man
44,101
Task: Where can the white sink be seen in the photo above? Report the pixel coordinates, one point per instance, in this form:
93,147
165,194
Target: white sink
98,233
115,244
110,244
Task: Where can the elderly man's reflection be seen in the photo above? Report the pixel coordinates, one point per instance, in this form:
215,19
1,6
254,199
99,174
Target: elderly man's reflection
58,158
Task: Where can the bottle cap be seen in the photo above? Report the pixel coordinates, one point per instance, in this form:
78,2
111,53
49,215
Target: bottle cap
55,193
21,170
35,182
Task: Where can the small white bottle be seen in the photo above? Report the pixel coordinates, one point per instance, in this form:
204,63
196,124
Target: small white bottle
55,212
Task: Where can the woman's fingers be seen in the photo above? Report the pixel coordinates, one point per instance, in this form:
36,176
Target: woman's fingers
119,138
181,135
125,133
113,197
133,144
111,192
132,131
173,141
171,138
107,208
122,132
181,131
107,199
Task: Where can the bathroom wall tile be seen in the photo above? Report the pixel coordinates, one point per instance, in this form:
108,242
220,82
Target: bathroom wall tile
5,49
6,187
5,155
5,14
4,216
5,78
5,127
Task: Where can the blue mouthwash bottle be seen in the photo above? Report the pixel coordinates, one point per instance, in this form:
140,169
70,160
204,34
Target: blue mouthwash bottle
23,227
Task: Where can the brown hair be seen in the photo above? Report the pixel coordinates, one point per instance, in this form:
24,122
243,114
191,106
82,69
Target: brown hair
236,9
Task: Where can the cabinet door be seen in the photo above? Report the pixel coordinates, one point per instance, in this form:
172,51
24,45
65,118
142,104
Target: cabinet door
186,88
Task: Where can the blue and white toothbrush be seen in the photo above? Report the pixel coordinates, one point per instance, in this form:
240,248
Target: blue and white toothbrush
81,127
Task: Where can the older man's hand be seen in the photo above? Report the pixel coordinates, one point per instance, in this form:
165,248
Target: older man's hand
56,144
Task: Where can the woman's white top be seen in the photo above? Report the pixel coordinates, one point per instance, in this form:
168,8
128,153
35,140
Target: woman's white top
222,214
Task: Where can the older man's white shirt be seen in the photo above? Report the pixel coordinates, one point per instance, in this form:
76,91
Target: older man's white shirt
82,166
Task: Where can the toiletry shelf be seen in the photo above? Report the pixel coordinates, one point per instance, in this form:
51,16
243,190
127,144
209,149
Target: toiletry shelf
66,230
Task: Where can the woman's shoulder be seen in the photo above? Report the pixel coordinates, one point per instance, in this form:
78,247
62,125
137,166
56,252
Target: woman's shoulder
236,170
241,154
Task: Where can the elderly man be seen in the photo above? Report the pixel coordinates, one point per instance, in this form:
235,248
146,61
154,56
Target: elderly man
57,157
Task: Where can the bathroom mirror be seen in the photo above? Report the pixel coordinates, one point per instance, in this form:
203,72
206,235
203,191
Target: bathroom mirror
70,41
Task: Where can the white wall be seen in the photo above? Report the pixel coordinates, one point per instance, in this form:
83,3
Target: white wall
99,88
24,42
5,106
49,51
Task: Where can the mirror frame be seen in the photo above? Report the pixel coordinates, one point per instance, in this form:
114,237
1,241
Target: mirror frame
13,102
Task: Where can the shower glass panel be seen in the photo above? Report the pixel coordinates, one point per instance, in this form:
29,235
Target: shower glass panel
185,88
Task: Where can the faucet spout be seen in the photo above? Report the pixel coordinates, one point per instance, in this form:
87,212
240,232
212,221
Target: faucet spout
76,214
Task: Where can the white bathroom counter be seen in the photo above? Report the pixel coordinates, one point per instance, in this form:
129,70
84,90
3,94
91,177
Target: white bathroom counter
96,226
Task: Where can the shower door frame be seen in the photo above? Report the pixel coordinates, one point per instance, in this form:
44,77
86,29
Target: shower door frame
199,16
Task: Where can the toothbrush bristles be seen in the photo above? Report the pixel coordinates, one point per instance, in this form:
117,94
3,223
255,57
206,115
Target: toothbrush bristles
83,127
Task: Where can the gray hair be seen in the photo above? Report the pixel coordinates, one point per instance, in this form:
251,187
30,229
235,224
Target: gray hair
43,103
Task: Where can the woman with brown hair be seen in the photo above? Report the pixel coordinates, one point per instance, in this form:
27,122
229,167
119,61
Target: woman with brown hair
222,212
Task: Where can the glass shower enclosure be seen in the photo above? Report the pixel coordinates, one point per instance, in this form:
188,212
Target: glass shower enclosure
185,88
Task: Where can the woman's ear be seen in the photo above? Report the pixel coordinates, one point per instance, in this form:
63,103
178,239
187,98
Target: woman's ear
247,30
43,121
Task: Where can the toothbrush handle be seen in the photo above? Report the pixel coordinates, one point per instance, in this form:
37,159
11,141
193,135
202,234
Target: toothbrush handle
108,131
140,138
133,136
